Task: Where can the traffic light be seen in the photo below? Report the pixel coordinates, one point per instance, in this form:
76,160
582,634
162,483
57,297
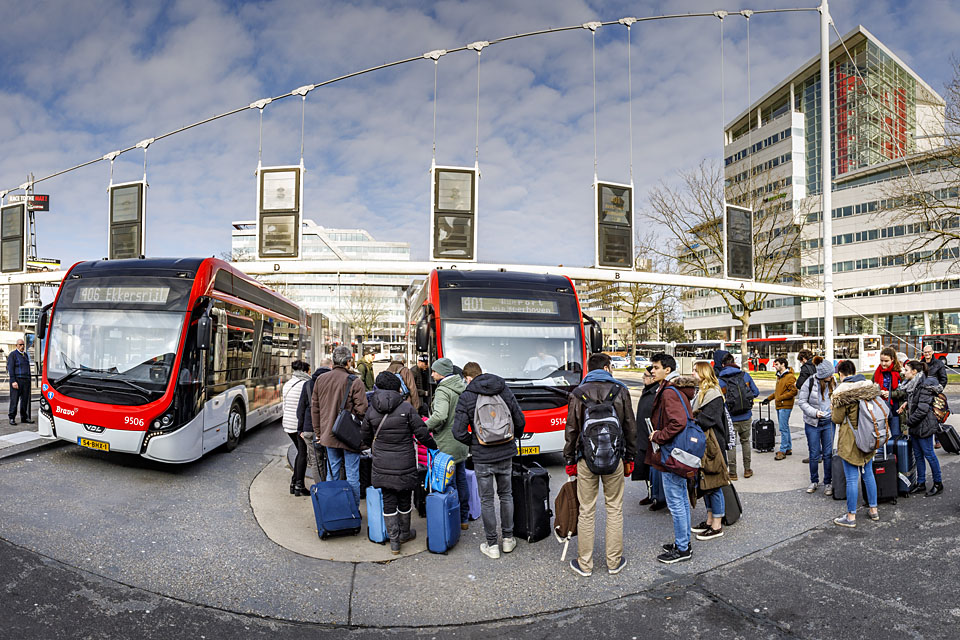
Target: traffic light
738,236
279,207
453,213
13,223
128,204
614,225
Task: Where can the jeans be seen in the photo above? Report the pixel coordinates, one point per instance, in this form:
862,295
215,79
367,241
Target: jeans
678,502
460,479
714,501
783,416
656,486
852,474
894,421
820,446
923,450
300,464
336,459
743,432
499,476
588,491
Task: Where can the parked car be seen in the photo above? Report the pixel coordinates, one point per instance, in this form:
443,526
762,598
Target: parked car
641,362
619,362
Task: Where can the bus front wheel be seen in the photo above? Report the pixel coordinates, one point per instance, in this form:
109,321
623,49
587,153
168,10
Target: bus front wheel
235,426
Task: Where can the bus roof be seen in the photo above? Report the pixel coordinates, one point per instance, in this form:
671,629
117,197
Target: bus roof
506,279
190,266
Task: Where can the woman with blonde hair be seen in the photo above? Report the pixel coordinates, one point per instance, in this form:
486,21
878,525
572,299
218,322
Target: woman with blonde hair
708,411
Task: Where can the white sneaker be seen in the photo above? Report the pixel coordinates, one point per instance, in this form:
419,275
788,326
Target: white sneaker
491,552
813,487
509,544
828,489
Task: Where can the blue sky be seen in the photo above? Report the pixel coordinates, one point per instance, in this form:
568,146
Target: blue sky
84,78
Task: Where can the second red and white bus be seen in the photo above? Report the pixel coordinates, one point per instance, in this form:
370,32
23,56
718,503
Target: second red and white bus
527,328
946,347
164,358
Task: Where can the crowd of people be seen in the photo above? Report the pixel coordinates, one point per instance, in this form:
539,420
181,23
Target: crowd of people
642,444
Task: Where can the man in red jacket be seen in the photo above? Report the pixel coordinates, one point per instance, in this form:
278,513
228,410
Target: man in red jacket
669,418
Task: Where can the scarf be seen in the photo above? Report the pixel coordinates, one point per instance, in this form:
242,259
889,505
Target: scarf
910,385
894,377
601,375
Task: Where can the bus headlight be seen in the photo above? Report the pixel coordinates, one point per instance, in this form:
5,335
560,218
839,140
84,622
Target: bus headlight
162,422
44,405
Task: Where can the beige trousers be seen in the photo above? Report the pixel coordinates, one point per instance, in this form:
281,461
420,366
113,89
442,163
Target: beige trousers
588,490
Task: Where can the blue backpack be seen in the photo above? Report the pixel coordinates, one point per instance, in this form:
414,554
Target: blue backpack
404,391
685,452
440,470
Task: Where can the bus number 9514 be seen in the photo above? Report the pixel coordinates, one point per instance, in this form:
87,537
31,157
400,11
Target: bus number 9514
558,422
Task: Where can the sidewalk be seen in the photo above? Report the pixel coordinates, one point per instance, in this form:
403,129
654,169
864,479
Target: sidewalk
20,438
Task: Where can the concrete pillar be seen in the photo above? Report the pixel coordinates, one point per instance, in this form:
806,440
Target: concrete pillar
763,331
926,322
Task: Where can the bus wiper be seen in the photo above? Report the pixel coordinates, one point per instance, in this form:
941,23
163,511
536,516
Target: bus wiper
133,385
69,374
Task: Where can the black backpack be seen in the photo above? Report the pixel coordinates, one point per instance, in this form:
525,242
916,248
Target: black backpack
739,399
601,436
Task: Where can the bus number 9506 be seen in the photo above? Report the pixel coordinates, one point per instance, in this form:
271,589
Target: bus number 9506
137,422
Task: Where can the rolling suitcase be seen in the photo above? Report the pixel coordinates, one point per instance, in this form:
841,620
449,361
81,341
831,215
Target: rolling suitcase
366,471
531,501
838,478
443,520
732,508
376,527
948,439
764,432
473,495
420,493
902,450
335,509
885,472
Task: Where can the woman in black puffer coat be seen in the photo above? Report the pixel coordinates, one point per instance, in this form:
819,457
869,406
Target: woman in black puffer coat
388,428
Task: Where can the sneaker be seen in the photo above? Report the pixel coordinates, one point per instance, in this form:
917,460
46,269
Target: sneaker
675,555
918,488
490,551
789,452
575,565
617,569
813,487
748,473
509,544
843,522
934,490
657,505
646,501
734,477
464,526
780,456
700,528
828,489
874,516
670,546
710,534
805,461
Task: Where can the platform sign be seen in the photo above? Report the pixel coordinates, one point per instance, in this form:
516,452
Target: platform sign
738,238
613,217
13,240
128,205
279,212
453,213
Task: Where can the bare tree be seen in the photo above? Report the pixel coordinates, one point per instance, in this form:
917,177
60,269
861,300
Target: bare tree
365,311
691,214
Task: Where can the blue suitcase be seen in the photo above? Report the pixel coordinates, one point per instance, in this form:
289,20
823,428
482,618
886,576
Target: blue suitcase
335,508
443,520
473,494
376,527
902,449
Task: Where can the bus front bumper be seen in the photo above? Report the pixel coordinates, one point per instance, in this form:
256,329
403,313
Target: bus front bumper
544,442
93,437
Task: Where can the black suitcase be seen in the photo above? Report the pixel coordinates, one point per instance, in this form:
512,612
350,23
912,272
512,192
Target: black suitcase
531,501
885,473
366,472
732,508
838,478
420,493
764,432
949,439
902,450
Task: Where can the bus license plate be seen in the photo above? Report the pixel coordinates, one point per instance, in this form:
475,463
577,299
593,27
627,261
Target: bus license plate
529,451
93,444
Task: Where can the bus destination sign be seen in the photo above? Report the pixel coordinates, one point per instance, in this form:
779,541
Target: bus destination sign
509,305
127,295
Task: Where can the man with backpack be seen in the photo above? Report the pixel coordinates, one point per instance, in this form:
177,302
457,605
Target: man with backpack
601,445
739,390
489,420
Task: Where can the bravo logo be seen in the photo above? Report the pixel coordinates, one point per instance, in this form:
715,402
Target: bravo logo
66,412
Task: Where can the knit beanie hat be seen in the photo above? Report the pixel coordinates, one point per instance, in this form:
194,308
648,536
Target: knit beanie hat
443,366
388,381
824,370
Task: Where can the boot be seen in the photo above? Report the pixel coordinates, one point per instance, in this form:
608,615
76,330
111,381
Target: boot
392,523
406,533
918,487
293,482
300,490
935,489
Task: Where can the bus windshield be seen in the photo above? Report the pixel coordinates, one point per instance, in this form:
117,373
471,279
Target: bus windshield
522,353
122,356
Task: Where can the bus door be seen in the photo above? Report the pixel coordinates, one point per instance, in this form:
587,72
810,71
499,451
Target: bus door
215,407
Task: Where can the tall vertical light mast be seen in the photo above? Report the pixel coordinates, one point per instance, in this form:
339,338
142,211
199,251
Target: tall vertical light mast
826,181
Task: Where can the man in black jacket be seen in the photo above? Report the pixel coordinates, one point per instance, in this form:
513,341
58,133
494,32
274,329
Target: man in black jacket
807,369
305,419
493,463
935,368
643,471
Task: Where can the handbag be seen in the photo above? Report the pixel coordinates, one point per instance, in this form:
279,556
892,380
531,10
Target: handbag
346,428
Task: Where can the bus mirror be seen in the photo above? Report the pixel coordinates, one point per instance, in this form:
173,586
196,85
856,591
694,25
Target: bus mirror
42,322
203,333
423,335
596,338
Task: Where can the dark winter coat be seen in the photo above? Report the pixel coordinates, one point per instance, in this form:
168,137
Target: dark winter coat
304,417
710,416
486,384
641,470
328,391
388,429
597,391
922,422
725,376
365,371
807,369
845,413
936,370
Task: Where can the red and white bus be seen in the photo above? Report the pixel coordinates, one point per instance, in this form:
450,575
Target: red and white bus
165,358
863,350
946,347
527,328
